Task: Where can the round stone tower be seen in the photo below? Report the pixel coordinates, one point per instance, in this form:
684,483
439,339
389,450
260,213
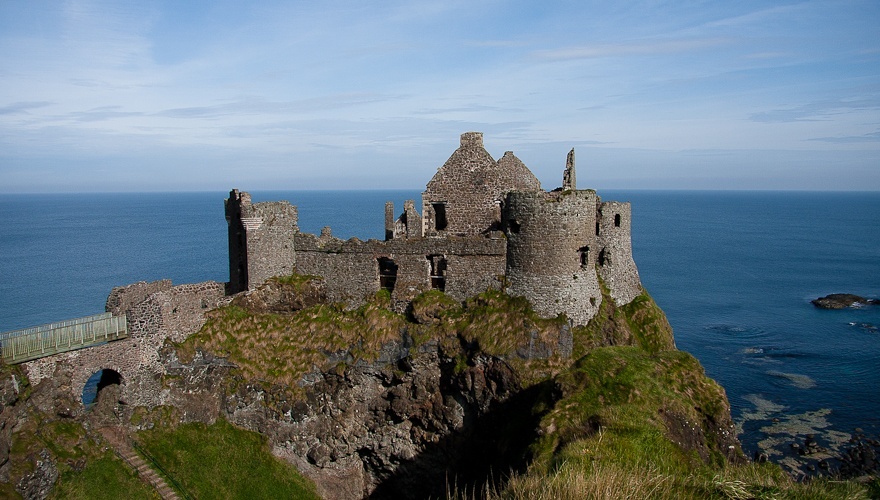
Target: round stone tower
552,250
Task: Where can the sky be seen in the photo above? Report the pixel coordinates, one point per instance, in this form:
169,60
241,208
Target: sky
105,96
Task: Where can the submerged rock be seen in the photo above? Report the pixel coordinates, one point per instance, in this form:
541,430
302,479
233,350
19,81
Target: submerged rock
842,301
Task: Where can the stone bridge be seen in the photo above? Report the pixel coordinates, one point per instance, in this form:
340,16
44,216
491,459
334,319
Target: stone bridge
157,312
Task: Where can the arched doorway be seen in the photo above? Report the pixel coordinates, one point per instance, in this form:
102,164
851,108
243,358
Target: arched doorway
99,381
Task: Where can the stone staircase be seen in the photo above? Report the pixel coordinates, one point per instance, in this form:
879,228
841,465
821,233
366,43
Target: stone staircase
117,439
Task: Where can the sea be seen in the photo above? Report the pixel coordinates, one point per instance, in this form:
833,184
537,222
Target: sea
733,270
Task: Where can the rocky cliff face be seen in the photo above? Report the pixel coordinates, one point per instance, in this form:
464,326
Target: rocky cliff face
402,427
454,395
369,403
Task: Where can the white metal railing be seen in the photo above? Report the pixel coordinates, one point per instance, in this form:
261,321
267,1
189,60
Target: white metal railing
53,338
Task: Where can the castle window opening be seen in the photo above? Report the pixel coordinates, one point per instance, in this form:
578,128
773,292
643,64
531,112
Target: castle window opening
513,225
440,222
387,273
603,259
585,256
597,229
438,272
616,220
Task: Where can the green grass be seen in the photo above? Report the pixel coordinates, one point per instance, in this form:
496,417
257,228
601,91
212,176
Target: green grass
604,480
500,324
222,461
609,437
648,323
629,393
105,477
640,323
281,348
299,281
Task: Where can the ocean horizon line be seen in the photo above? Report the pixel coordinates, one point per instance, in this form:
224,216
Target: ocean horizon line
375,190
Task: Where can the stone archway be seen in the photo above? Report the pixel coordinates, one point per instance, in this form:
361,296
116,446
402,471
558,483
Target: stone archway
99,384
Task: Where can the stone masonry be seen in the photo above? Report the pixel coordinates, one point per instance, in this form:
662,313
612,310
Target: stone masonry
484,224
156,312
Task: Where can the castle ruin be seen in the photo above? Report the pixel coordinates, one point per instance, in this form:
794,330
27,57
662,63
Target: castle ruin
484,224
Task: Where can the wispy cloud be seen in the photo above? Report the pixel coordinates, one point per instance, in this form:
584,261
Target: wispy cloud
473,108
259,106
816,111
103,113
766,55
645,47
23,107
756,17
852,139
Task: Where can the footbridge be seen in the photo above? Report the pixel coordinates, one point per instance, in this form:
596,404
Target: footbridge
53,338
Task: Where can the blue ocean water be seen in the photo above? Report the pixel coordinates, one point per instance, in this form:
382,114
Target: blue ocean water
734,272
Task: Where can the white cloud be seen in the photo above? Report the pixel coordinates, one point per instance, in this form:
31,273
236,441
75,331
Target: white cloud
282,87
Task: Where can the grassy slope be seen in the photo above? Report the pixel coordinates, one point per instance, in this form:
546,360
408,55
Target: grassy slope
222,461
103,477
606,438
609,435
281,348
86,470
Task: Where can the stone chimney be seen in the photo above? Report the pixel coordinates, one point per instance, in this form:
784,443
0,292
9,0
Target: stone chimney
472,139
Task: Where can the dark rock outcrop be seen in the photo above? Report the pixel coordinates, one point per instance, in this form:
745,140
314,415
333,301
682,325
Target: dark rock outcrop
383,430
842,301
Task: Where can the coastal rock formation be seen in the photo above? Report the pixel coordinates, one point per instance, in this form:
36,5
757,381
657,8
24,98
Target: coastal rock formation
842,301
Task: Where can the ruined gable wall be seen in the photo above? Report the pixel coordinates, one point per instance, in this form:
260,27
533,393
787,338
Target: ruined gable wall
409,224
547,235
514,175
472,184
172,314
618,269
461,185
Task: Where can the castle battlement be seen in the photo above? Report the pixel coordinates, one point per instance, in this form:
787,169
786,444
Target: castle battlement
484,224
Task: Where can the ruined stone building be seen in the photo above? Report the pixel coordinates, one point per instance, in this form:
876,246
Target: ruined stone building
484,223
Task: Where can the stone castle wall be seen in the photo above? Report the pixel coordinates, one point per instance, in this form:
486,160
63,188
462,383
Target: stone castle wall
552,248
169,313
123,298
351,268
